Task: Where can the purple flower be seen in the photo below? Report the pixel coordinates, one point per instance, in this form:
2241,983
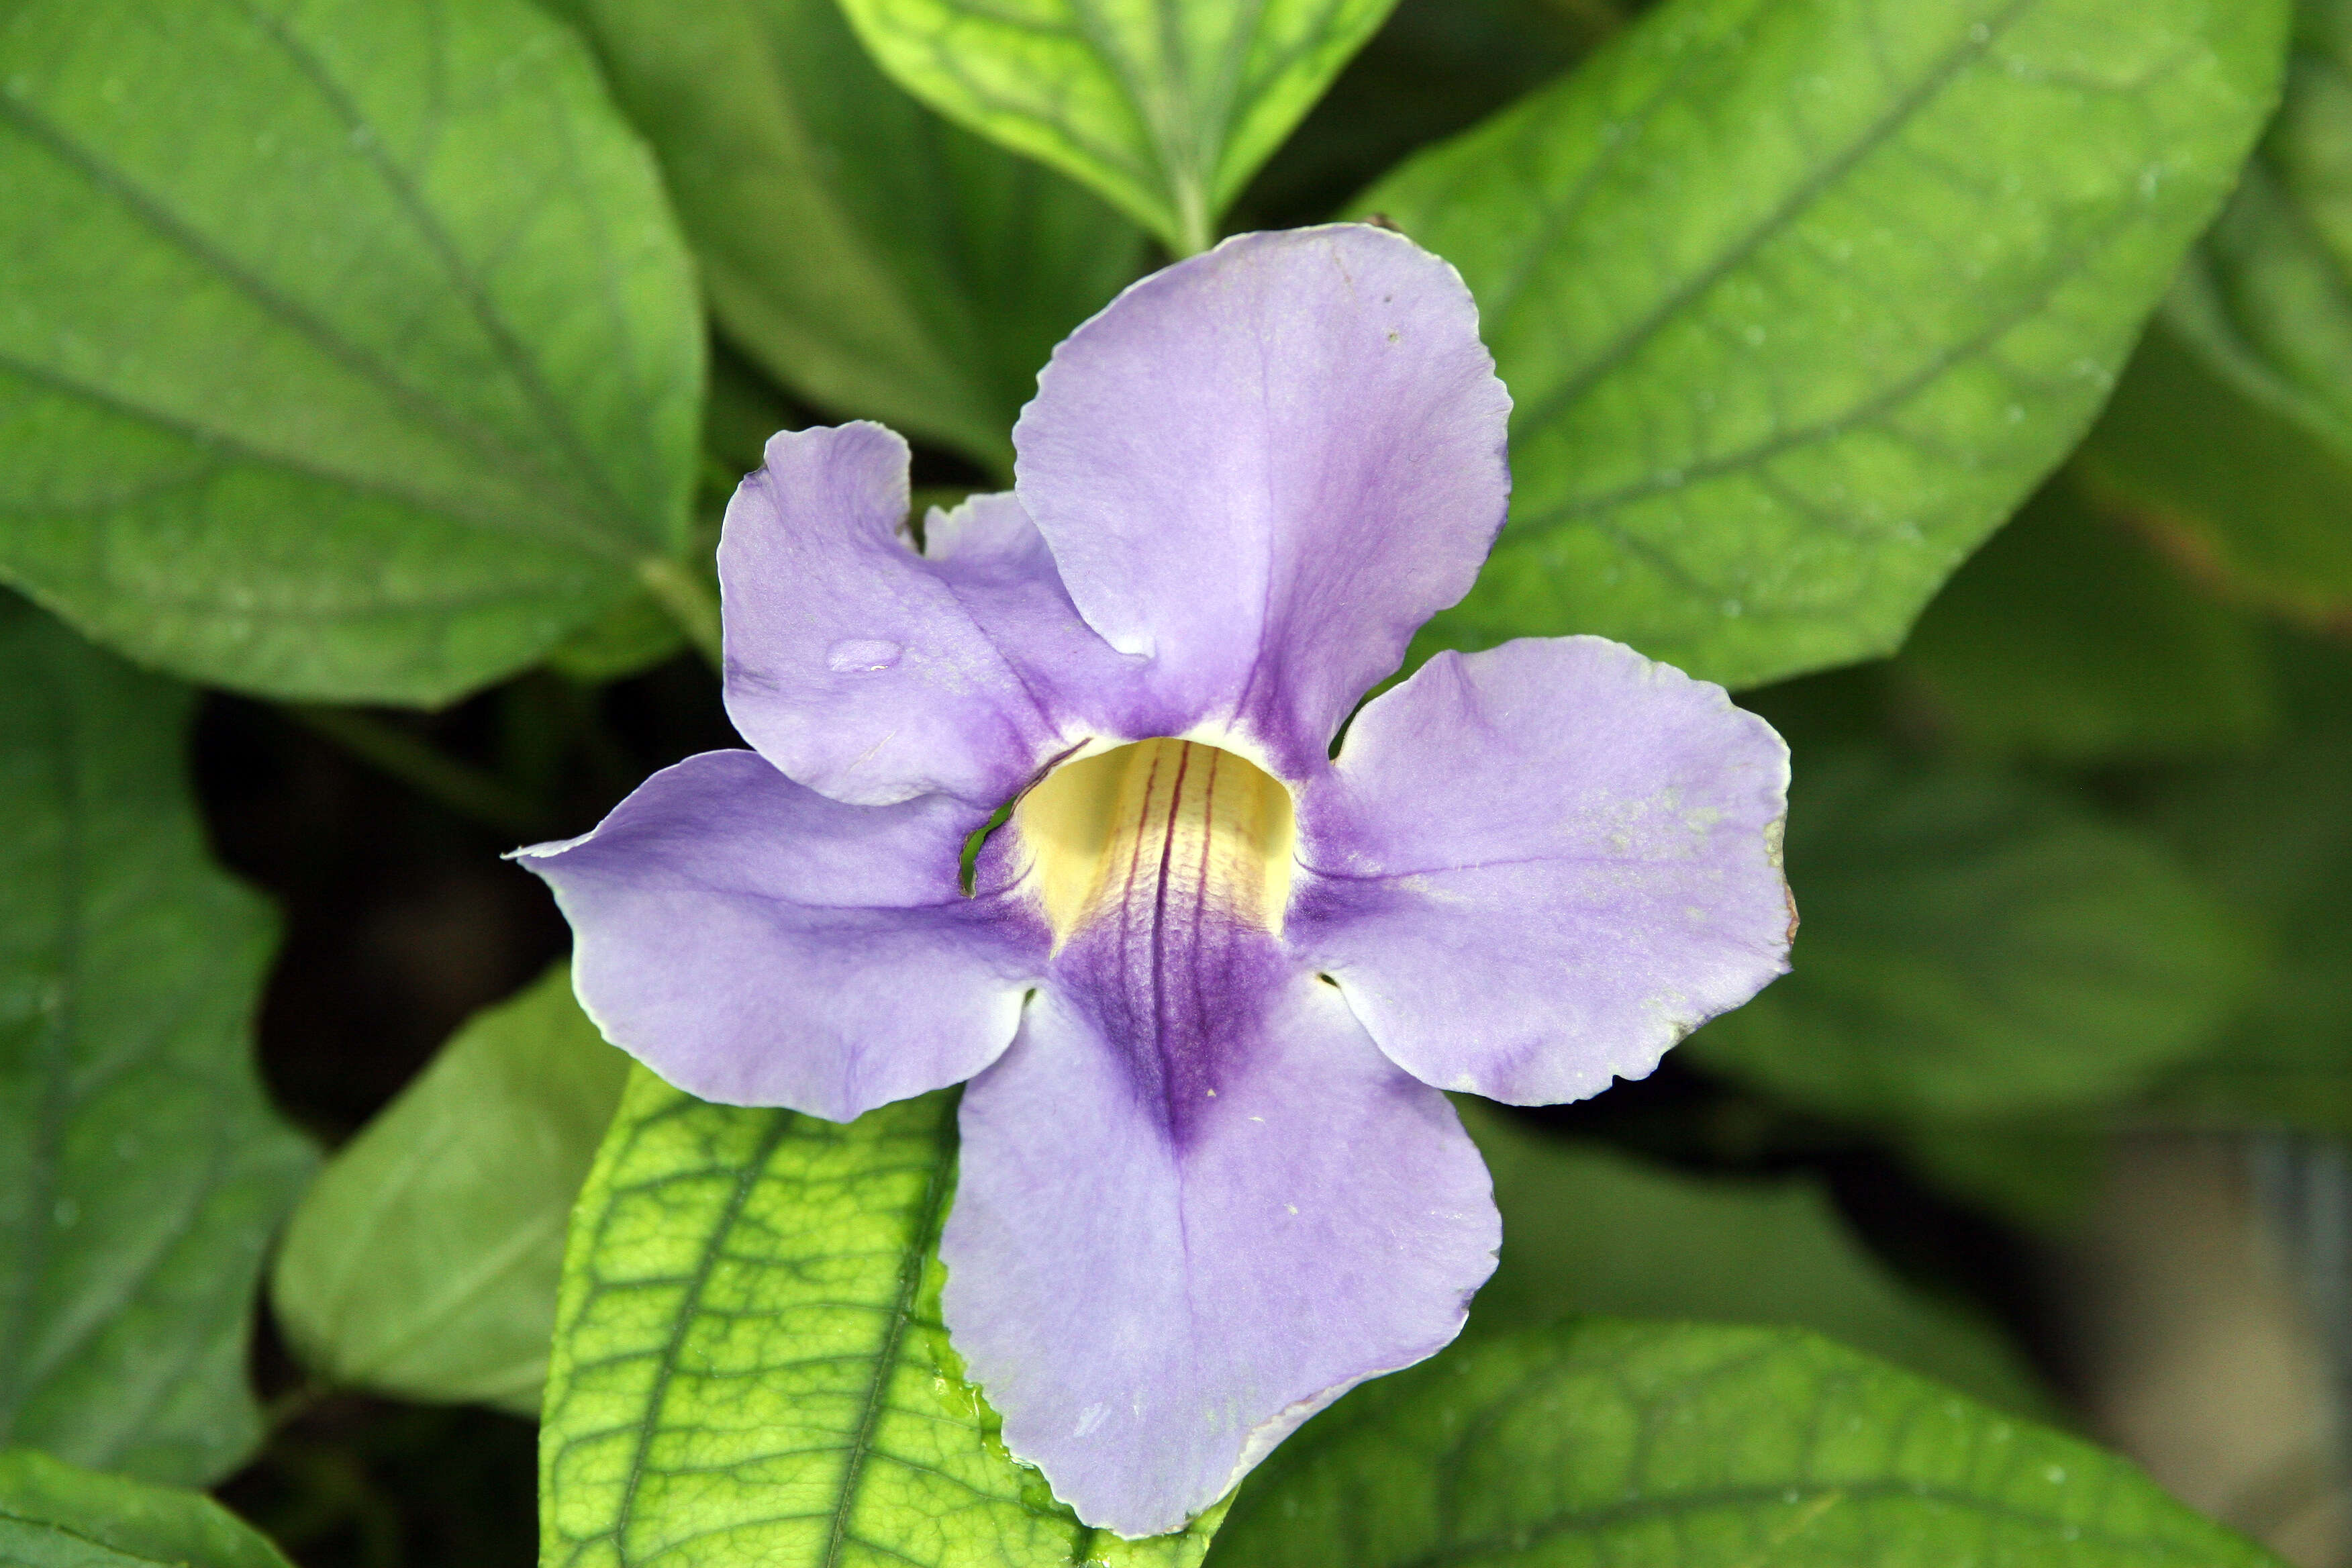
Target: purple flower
1209,980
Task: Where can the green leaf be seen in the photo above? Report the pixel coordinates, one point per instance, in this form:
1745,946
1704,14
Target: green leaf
2272,835
141,1171
56,1515
350,352
872,257
1586,1230
1605,1443
1797,301
2067,638
423,1262
1976,946
1166,107
2232,432
749,1364
634,634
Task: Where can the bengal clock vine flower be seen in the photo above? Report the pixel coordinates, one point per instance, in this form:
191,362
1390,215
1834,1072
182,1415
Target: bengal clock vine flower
1209,979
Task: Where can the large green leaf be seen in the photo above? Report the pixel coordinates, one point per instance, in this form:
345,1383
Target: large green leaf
1798,300
140,1169
56,1515
1601,1443
1586,1230
349,350
2231,431
2068,638
749,1364
874,259
1975,945
1165,106
424,1261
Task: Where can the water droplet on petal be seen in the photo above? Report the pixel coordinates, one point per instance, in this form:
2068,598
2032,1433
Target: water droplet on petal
862,655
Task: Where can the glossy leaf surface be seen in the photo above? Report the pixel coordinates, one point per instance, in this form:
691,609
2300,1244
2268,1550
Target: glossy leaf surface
2230,435
1797,301
1603,1443
141,1171
423,1262
749,1364
1165,106
350,351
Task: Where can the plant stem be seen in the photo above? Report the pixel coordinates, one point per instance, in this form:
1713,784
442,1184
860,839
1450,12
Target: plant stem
679,590
464,789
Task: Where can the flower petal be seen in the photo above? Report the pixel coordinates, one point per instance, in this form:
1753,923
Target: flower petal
1538,866
1155,1285
1265,466
872,673
756,943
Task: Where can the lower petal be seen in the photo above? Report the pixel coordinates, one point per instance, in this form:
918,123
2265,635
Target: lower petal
1152,1300
756,943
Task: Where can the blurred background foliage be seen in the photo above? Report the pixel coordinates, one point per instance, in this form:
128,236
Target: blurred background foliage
371,377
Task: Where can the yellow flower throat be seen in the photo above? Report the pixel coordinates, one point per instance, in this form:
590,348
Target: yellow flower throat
1160,831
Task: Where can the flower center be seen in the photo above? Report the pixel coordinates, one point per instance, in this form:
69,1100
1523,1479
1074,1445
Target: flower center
1161,832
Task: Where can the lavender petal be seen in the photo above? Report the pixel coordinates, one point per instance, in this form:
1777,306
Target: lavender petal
1264,468
1538,868
1154,1283
872,673
756,943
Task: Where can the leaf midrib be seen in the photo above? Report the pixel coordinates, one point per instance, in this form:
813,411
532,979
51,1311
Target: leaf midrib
746,1182
554,418
886,1359
1807,191
238,450
465,434
9,1516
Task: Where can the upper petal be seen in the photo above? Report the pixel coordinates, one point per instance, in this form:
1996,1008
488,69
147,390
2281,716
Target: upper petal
872,673
1153,1302
1537,868
756,943
1265,466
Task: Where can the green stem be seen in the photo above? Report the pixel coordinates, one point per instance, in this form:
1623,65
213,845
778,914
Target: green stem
689,602
466,790
1196,227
